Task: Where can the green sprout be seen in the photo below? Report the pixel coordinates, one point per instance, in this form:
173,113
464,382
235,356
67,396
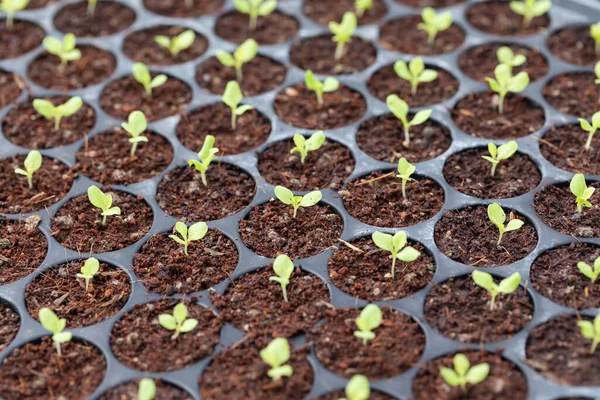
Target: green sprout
304,145
597,71
103,202
530,9
91,8
243,54
399,108
232,98
414,72
57,113
283,267
595,34
397,245
136,125
89,269
590,128
463,373
581,191
357,388
505,82
65,49
498,217
10,7
255,9
506,286
434,23
369,319
508,57
146,389
56,325
142,75
342,32
405,170
195,232
32,163
497,154
205,156
588,271
328,85
362,6
591,331
178,322
276,354
286,196
177,43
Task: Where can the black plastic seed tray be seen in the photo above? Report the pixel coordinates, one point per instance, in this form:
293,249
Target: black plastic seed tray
563,13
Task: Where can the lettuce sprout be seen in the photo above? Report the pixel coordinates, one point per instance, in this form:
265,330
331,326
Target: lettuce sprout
243,54
146,389
178,322
361,6
177,43
368,320
65,49
10,7
581,191
56,325
486,281
195,232
591,331
232,98
57,113
136,125
498,217
399,108
397,245
206,155
595,34
283,268
142,75
304,145
497,154
286,196
89,269
505,82
590,128
434,23
255,8
276,354
342,33
591,273
414,72
463,373
357,388
508,57
103,202
32,163
405,170
530,9
328,85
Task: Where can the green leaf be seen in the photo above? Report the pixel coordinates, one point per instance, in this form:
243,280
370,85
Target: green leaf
397,106
311,81
416,66
420,117
450,377
242,109
399,240
98,198
496,214
370,318
188,325
33,161
50,321
207,146
518,7
330,85
315,141
383,240
401,69
461,364
358,388
578,185
242,6
310,199
519,82
405,169
585,269
246,51
483,280
283,266
163,41
62,337
146,389
158,80
52,45
90,267
180,312
267,7
182,229
510,284
513,225
587,329
276,353
507,150
136,123
71,106
477,373
225,58
505,55
182,41
285,195
44,107
428,75
141,74
408,254
493,150
343,31
232,95
167,321
197,231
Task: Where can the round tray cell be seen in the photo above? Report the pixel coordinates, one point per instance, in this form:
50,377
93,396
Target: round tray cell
11,87
565,147
323,12
23,248
109,18
574,44
23,37
274,28
573,93
9,324
497,18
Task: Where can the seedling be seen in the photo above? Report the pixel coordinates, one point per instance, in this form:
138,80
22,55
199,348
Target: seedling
590,128
505,82
588,271
397,245
146,389
283,267
177,43
255,9
328,85
232,98
243,54
508,57
530,9
362,6
581,191
414,72
142,75
136,124
368,320
276,354
497,154
91,9
405,170
65,49
178,322
357,388
32,163
463,373
497,216
205,156
56,325
103,202
506,286
57,113
399,108
89,269
342,33
597,71
595,34
591,331
195,232
304,145
434,23
286,196
10,7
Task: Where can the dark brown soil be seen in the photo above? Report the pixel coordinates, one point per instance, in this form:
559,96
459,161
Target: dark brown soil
238,372
556,207
403,36
504,382
51,183
323,12
182,194
94,66
574,44
554,274
297,105
75,375
327,167
574,93
398,338
140,46
129,391
469,173
477,115
480,61
564,146
497,18
22,248
178,8
138,331
10,87
260,75
9,325
318,54
255,304
252,129
78,224
109,18
269,230
61,290
382,138
385,81
108,158
27,128
123,96
276,27
431,3
469,237
164,268
21,39
340,395
366,273
376,199
558,351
